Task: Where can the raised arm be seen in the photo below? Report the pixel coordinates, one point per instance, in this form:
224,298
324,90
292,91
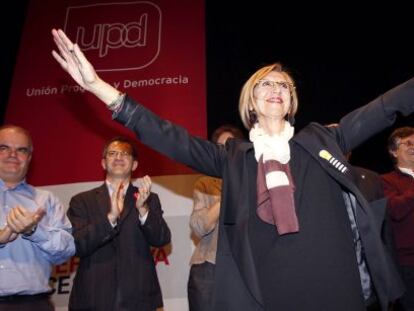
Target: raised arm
361,124
161,135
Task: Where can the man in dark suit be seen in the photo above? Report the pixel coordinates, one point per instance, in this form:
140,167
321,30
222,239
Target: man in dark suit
114,227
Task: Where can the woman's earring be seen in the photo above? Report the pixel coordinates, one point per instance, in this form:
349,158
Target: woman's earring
252,116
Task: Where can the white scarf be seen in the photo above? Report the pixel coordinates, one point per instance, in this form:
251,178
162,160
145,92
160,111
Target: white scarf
274,147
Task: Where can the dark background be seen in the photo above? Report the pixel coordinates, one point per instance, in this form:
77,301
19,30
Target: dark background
341,56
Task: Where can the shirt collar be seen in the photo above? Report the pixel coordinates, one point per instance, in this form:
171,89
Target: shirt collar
407,171
21,186
111,188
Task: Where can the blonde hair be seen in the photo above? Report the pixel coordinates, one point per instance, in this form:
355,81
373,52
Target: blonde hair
247,104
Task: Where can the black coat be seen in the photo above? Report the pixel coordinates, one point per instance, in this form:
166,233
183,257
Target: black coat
316,268
116,270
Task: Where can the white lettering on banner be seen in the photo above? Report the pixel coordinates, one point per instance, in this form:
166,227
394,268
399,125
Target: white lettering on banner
134,28
155,81
41,91
114,36
70,89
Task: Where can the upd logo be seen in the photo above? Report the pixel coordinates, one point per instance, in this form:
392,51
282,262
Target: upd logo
116,36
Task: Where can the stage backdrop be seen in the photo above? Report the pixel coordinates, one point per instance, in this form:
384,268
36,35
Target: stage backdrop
154,51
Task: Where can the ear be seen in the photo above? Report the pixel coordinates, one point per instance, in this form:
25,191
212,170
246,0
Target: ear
103,163
134,165
393,153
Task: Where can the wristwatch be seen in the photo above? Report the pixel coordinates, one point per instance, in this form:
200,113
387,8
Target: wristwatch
31,231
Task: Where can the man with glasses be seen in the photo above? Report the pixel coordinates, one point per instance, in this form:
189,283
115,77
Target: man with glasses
114,226
399,188
34,230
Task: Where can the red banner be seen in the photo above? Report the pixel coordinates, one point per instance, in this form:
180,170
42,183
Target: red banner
153,50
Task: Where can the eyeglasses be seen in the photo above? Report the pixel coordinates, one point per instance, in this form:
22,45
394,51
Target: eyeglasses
115,154
21,151
407,143
268,84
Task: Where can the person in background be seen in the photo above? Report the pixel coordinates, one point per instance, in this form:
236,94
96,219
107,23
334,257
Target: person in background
34,230
399,188
204,224
114,226
286,241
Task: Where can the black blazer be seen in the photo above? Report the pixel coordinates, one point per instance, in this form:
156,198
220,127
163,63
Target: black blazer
237,281
116,270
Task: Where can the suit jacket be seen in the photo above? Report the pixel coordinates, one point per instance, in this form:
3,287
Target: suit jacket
116,270
238,285
399,188
369,183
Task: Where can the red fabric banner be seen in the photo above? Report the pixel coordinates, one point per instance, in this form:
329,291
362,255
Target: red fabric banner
152,50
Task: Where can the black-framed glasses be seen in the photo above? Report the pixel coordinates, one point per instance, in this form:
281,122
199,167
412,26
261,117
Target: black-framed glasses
269,84
21,151
115,154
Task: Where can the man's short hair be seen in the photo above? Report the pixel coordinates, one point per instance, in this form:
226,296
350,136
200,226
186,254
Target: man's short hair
396,136
124,140
21,130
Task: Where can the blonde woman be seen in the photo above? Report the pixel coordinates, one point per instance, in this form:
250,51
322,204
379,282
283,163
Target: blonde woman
286,240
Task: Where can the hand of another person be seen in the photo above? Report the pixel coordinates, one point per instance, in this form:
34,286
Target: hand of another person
73,61
22,220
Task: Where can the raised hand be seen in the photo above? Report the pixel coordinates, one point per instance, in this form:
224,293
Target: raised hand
73,61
